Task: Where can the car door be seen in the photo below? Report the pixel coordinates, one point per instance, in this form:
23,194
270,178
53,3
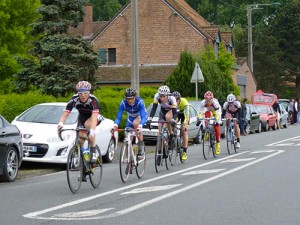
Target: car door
254,118
193,129
272,116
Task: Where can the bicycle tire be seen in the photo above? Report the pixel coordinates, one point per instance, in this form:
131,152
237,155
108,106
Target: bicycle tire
213,144
124,163
74,169
229,140
179,151
166,156
140,165
96,169
158,154
206,145
173,154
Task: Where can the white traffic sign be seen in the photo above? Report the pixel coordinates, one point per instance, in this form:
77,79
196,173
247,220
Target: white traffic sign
197,74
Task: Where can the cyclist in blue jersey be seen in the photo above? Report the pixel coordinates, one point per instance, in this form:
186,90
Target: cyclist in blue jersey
137,115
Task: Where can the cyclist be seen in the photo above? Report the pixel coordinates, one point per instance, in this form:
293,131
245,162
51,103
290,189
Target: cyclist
232,108
184,117
168,112
211,104
89,117
137,115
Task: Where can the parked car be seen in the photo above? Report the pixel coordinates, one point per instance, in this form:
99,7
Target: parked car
268,117
285,103
151,135
11,150
41,143
284,116
253,120
196,104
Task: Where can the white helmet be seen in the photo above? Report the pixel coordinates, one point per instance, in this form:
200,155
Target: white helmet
163,90
231,98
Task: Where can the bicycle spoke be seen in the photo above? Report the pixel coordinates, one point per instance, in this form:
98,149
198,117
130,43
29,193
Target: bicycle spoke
124,163
140,165
74,169
206,144
96,170
158,155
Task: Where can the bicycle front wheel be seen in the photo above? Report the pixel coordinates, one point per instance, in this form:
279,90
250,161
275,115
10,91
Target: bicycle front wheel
173,154
229,140
124,163
206,144
140,165
158,154
74,169
96,169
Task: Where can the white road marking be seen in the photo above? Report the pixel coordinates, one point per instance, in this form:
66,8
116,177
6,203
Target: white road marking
80,214
154,200
150,189
289,139
35,215
237,160
202,172
263,151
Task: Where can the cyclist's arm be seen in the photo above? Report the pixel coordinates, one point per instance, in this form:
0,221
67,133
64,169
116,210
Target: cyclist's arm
153,110
120,113
94,118
186,113
64,117
143,112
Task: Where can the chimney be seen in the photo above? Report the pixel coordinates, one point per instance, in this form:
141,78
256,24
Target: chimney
88,20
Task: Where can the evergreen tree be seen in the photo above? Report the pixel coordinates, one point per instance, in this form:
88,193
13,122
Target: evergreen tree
63,60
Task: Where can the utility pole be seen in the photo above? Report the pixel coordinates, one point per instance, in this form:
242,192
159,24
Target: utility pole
135,77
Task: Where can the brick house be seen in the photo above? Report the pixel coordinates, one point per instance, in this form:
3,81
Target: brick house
165,29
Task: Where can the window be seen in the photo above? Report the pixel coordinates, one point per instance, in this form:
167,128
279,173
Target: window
102,55
112,56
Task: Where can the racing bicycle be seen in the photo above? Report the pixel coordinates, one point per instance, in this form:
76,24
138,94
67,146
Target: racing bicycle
177,153
208,137
129,159
78,168
231,138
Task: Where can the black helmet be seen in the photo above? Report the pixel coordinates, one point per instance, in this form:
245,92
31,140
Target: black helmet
130,92
177,95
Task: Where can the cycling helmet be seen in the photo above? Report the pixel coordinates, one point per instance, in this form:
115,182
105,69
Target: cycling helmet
231,98
208,95
130,93
83,86
163,90
177,95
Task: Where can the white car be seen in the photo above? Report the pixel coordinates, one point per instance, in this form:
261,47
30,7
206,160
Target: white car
41,143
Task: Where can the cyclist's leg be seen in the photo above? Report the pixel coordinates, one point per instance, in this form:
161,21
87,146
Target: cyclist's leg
135,121
218,138
237,131
168,118
91,123
185,138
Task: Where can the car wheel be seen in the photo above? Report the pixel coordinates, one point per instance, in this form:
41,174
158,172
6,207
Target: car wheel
109,156
259,128
266,128
11,165
285,125
247,130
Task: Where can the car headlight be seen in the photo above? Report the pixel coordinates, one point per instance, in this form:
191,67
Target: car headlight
57,139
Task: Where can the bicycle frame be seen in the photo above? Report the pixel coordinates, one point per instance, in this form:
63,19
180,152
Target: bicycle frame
230,135
208,137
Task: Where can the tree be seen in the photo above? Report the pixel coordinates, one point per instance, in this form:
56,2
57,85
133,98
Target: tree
216,71
63,60
104,10
15,16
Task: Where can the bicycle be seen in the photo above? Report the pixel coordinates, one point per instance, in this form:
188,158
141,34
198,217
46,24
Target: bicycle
231,139
77,166
128,155
162,150
178,141
208,137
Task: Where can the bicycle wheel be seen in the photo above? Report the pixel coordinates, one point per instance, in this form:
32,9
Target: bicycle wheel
96,169
234,144
166,155
140,165
213,144
74,169
179,150
229,140
158,154
206,144
124,162
173,154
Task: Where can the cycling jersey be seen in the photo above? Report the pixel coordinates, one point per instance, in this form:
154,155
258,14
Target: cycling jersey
184,111
232,108
133,111
85,109
169,104
214,107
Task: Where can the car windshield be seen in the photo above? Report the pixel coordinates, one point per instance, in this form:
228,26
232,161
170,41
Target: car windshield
263,109
47,114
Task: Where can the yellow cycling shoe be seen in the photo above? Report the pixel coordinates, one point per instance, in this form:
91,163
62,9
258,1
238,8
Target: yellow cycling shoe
184,156
218,147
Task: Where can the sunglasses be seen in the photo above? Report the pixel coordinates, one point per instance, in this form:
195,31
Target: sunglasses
83,93
161,96
129,99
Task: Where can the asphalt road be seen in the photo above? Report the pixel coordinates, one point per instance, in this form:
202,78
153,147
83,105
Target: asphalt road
258,185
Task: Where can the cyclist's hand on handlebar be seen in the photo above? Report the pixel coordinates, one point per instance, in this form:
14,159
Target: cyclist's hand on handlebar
148,123
139,128
198,122
173,123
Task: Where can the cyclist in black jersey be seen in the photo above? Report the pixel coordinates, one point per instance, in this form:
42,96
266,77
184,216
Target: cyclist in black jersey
89,117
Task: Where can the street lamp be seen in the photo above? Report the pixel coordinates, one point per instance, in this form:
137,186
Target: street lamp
250,42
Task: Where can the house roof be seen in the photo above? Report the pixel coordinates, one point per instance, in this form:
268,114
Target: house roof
227,37
122,74
97,28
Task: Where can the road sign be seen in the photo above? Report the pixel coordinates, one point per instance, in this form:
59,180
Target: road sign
197,77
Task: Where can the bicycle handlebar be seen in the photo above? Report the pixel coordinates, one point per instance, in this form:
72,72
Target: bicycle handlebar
72,129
